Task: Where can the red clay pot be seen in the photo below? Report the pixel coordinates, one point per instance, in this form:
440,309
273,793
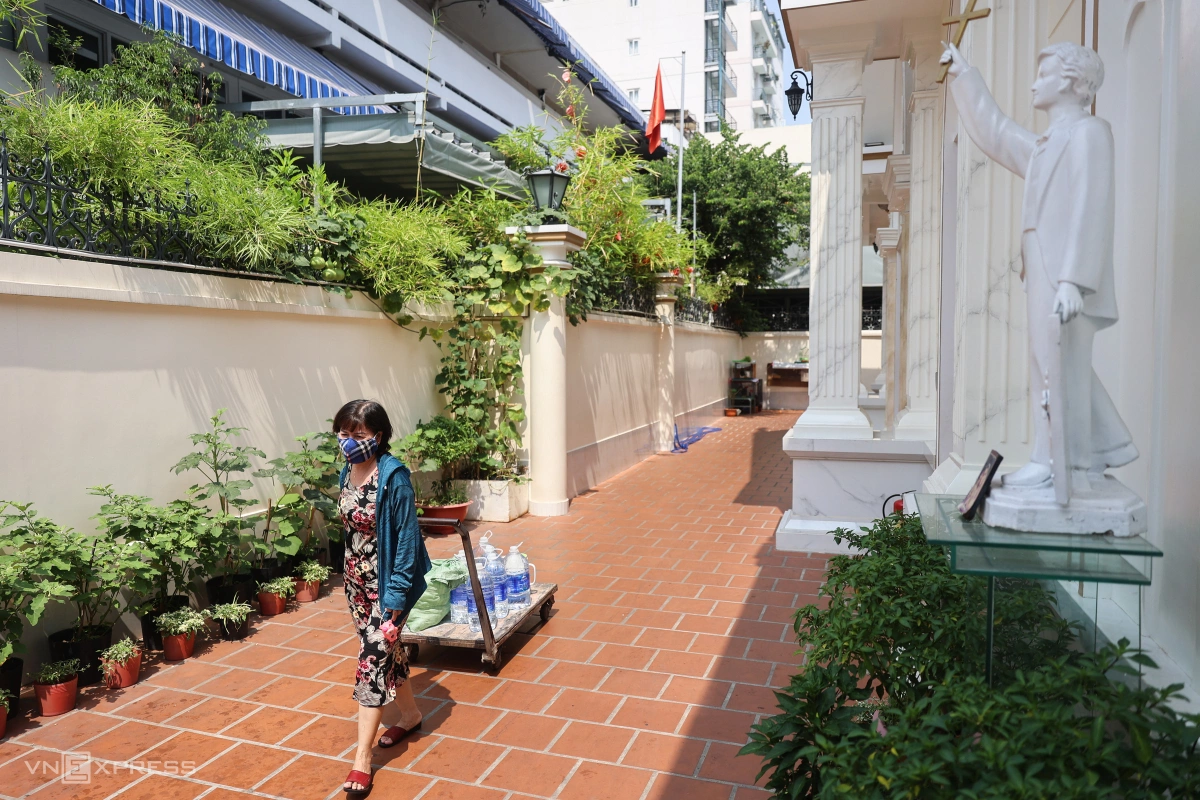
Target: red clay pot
3,721
179,646
456,512
125,675
56,698
271,604
307,591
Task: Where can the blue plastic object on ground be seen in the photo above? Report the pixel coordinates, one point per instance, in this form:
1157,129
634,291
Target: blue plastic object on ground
690,437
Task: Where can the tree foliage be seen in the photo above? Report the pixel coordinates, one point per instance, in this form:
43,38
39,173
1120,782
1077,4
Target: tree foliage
751,205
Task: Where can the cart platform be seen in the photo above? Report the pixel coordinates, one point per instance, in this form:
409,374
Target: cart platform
487,639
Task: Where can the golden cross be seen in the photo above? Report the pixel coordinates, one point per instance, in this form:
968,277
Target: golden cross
962,20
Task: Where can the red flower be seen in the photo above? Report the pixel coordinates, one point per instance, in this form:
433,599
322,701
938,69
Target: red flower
561,167
675,271
618,236
571,111
580,152
690,270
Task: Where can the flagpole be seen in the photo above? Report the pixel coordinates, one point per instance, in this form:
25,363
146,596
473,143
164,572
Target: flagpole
682,124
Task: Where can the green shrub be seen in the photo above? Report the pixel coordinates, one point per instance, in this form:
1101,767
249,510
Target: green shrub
119,654
57,671
892,704
313,570
234,613
181,621
284,587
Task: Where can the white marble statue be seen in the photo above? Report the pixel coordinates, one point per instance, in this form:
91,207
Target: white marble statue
1066,246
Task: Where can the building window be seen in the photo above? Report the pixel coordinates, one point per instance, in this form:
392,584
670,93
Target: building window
635,95
635,46
633,3
73,46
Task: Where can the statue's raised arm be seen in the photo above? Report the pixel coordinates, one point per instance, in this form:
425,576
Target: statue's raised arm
996,134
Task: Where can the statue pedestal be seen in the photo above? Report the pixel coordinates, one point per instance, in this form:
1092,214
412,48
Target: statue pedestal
1108,506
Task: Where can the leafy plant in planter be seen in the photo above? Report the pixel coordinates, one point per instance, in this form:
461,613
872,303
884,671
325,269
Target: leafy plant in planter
309,576
218,461
26,585
56,685
309,479
442,444
231,618
273,595
122,662
96,568
171,535
179,629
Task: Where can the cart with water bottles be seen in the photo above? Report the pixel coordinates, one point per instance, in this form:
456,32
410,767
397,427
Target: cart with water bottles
489,638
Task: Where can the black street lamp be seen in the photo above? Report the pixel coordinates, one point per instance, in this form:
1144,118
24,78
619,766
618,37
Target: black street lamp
796,95
548,188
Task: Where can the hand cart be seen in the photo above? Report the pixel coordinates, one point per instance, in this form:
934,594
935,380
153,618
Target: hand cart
447,634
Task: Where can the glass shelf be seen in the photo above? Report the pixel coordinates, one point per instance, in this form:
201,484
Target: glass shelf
979,549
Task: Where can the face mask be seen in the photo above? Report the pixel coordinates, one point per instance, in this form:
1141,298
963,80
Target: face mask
357,452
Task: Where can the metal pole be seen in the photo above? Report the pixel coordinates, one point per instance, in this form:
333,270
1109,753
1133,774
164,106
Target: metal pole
682,118
318,150
694,215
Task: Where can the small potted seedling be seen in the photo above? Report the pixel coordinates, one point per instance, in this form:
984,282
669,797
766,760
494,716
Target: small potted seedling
56,685
122,663
232,618
273,595
309,576
179,629
3,711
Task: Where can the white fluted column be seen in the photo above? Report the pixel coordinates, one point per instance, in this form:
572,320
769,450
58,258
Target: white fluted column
924,255
991,406
890,240
547,400
664,307
835,294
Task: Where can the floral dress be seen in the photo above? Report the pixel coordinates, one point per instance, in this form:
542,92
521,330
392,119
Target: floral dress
381,666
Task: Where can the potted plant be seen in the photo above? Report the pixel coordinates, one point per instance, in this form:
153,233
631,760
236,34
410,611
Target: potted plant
122,663
232,618
96,568
309,576
179,629
4,699
56,685
227,547
442,445
273,595
25,589
171,536
309,481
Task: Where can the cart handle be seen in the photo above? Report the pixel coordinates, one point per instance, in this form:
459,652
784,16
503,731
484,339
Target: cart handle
485,623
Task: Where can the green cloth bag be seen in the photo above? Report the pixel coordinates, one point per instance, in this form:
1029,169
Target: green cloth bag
434,605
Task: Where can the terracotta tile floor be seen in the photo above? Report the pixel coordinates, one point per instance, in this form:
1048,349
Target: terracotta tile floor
670,629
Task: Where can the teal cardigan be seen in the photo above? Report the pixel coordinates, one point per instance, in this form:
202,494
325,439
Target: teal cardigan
403,559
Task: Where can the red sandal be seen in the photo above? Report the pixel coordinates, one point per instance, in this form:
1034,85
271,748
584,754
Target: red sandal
396,733
357,777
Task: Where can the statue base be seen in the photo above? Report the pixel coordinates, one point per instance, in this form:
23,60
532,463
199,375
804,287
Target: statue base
1109,506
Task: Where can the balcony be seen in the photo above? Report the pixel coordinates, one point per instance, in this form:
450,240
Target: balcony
765,48
728,78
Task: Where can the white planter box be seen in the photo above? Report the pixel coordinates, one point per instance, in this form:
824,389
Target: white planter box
496,501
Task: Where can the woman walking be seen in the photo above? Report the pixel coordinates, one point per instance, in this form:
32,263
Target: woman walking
385,568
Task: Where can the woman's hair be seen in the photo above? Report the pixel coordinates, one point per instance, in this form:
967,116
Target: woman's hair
367,414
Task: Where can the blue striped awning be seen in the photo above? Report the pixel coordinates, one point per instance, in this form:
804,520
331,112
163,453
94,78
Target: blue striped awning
222,34
560,45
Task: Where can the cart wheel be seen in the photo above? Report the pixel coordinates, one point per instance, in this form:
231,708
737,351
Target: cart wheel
545,609
493,665
412,652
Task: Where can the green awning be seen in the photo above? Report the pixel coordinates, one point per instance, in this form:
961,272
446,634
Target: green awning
377,155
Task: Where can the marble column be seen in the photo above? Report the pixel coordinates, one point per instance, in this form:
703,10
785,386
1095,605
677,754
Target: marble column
547,400
924,255
890,241
835,295
664,307
991,405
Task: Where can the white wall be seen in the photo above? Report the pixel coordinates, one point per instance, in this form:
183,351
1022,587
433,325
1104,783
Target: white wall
106,370
702,356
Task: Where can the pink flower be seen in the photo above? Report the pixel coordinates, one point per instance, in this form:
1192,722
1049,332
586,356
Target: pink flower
618,236
566,76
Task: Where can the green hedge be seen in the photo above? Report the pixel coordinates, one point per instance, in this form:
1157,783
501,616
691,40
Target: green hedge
892,702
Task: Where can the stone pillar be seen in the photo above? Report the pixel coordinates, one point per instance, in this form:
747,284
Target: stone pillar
924,253
889,240
835,296
991,406
547,400
664,307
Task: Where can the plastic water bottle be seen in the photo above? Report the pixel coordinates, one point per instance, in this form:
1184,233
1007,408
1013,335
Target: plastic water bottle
489,590
458,598
495,569
516,573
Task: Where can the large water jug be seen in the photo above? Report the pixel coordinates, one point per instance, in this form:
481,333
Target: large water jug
516,573
495,570
458,598
489,588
